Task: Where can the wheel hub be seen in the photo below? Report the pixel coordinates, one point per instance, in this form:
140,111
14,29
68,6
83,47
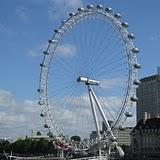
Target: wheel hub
88,81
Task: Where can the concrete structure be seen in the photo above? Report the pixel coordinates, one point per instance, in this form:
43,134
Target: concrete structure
146,140
93,135
124,135
148,94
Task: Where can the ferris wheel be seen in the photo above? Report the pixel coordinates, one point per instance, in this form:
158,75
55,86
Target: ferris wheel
88,77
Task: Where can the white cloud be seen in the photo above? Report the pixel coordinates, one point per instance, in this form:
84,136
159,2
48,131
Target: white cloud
9,119
6,99
23,13
27,106
131,121
75,100
73,114
5,29
111,83
59,8
20,117
66,50
38,50
154,37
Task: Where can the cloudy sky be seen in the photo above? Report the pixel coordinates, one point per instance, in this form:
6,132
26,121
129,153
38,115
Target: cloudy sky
26,26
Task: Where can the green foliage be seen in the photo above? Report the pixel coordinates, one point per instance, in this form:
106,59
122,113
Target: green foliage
39,133
28,146
4,146
42,146
50,134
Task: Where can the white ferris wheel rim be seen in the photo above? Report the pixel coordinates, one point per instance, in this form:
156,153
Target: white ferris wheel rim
130,51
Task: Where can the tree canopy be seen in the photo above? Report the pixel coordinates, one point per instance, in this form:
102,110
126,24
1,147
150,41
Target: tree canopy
76,138
28,146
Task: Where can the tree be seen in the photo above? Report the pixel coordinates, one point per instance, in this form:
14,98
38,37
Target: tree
42,146
50,134
76,138
17,146
39,133
34,147
4,146
28,146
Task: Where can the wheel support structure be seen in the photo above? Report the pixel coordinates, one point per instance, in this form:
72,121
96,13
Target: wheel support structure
93,97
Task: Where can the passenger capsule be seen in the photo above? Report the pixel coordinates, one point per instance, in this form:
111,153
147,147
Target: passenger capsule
125,24
109,10
46,53
46,126
135,50
80,9
99,6
128,114
117,15
42,114
131,36
134,99
63,21
136,82
41,103
50,135
52,41
137,66
40,90
42,64
71,14
90,6
57,31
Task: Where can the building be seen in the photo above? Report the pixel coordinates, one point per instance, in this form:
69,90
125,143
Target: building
122,134
104,128
148,93
93,135
146,139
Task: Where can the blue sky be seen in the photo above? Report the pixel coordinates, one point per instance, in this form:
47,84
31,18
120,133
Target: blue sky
26,26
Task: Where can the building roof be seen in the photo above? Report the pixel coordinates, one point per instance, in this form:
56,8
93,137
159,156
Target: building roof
150,78
149,124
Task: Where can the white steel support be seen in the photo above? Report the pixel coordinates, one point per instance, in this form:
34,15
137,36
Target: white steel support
102,113
93,97
95,118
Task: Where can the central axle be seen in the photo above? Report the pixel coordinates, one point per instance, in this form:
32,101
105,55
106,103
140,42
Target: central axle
88,81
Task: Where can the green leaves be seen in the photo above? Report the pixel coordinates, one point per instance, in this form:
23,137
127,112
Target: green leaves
29,146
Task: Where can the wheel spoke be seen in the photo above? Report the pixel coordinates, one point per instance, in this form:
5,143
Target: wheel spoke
87,75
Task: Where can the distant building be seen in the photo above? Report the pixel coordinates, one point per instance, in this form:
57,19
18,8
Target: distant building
146,139
123,134
37,136
148,94
93,135
104,128
41,137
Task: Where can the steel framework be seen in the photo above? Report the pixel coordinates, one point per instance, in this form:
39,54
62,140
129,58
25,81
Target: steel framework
131,58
